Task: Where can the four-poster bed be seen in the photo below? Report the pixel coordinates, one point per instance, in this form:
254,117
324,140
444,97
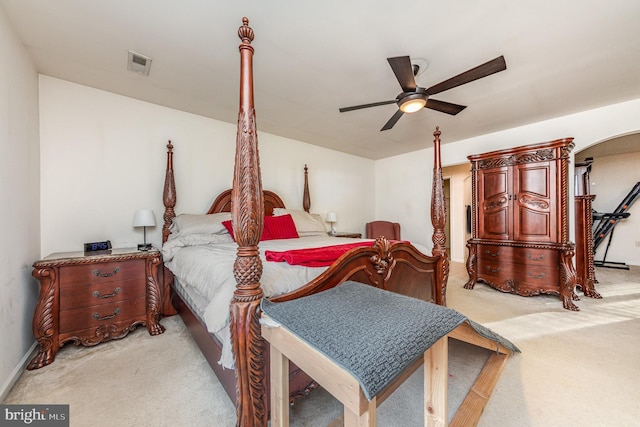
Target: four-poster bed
394,266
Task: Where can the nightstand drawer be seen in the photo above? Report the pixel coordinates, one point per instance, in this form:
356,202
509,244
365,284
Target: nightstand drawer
73,297
100,272
105,314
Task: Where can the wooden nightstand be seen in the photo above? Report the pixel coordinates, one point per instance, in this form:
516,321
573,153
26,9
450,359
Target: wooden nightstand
347,234
89,299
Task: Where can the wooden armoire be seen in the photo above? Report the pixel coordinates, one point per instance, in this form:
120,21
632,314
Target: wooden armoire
520,228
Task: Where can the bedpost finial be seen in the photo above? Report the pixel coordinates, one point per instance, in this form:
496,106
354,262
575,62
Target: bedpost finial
169,146
245,32
437,132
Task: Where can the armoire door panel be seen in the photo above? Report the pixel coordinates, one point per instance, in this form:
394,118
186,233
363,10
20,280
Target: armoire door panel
495,209
534,216
496,224
534,226
495,183
534,180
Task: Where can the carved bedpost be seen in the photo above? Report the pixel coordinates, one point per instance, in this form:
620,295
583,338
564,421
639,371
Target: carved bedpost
438,213
169,194
306,198
169,201
247,207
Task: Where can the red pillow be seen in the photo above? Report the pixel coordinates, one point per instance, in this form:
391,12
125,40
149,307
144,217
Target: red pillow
229,227
280,227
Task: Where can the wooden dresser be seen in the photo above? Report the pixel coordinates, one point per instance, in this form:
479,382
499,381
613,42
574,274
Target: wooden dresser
520,233
89,299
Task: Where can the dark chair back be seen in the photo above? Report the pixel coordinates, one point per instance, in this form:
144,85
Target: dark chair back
388,229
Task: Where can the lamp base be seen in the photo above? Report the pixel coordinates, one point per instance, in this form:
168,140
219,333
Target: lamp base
144,246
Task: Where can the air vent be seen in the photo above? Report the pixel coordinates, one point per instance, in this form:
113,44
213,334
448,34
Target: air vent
139,63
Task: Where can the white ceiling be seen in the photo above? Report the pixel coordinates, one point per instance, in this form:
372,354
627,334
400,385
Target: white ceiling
313,57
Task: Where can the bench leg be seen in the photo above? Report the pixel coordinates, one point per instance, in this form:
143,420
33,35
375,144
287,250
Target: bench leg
367,419
436,373
279,365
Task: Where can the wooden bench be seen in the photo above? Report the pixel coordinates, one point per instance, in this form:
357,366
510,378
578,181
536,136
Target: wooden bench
292,336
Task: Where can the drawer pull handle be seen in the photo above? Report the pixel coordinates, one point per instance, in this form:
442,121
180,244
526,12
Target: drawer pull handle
96,294
535,276
97,273
493,270
110,316
496,253
535,258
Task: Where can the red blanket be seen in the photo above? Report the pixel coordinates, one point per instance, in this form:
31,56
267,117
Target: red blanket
313,257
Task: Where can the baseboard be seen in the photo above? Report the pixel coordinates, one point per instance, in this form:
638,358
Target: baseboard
17,371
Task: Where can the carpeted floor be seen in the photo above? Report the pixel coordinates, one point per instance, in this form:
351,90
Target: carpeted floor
575,369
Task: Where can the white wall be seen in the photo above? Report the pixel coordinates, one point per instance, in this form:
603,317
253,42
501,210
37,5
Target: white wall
19,178
460,197
612,177
104,156
403,183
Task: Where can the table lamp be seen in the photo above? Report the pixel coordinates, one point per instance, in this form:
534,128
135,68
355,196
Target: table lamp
332,218
144,218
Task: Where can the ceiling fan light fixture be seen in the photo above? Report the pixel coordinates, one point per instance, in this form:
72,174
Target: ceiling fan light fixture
412,103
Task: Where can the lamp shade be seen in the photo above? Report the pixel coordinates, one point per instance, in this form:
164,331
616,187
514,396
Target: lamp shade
332,217
144,218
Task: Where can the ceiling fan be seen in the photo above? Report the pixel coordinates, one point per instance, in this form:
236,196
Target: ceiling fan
413,98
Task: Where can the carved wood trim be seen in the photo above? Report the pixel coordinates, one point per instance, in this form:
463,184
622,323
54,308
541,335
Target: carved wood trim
153,295
45,323
59,262
103,333
222,202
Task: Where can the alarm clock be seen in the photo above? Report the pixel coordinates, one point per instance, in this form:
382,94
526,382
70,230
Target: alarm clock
97,247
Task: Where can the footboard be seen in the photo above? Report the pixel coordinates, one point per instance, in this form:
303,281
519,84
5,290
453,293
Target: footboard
396,267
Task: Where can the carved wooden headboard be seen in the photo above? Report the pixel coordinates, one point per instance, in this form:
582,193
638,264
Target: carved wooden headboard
222,203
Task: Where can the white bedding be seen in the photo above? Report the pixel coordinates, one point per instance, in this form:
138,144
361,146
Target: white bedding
209,269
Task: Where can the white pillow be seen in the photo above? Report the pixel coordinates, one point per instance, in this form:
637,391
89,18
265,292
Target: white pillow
306,224
177,241
184,224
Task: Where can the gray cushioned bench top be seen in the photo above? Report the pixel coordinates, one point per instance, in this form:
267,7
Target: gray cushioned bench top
371,333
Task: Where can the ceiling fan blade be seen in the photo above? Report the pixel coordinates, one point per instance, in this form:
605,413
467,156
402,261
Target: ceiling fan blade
401,66
484,70
374,104
444,107
393,120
